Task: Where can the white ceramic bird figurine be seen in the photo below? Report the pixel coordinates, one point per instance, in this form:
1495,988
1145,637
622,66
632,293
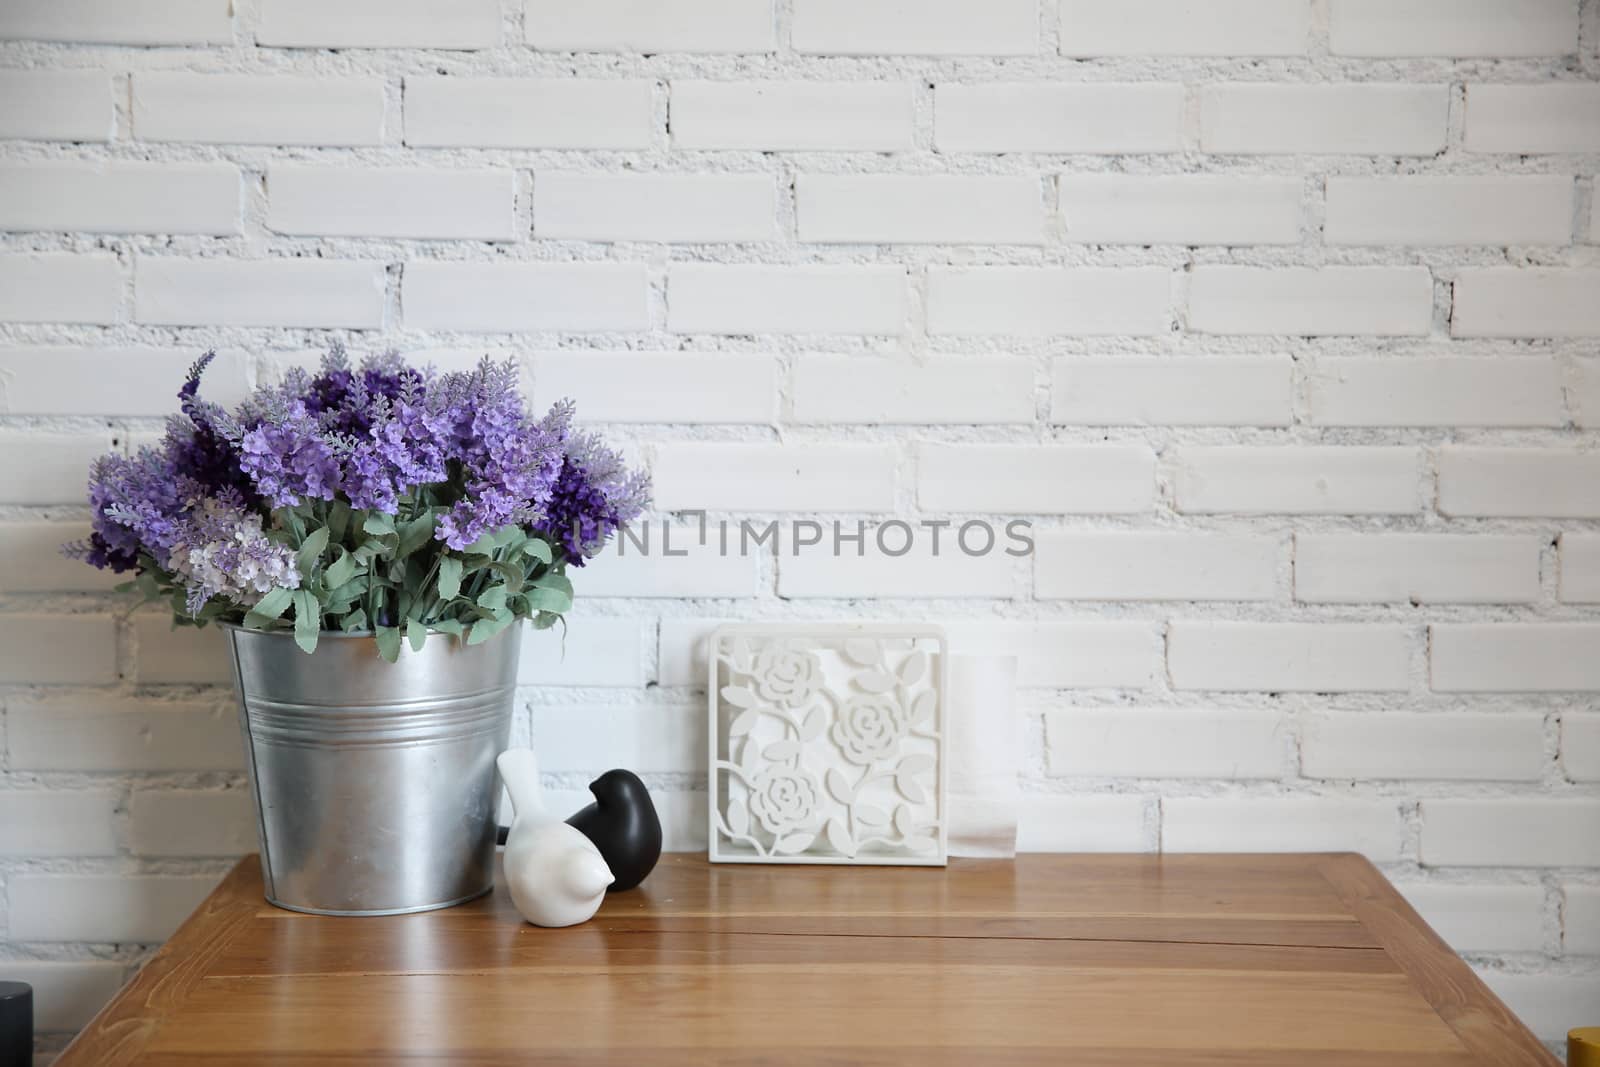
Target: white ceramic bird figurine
556,875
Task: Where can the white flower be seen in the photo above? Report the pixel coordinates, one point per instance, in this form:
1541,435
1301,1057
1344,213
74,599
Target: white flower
870,727
784,677
784,799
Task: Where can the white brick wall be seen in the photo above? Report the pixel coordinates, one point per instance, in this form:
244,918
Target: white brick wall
1275,318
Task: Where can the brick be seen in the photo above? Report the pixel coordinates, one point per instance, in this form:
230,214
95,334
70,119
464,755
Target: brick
1548,1004
1045,301
137,22
1511,832
346,201
56,105
1509,210
1525,302
1187,209
1092,118
67,995
1339,568
57,469
1164,743
1435,391
1030,479
179,655
1051,822
454,24
120,197
598,651
888,389
1282,824
1165,391
59,287
504,297
934,28
191,822
1580,568
683,648
755,478
265,109
1470,746
1580,917
131,380
1288,657
1096,654
660,26
656,561
310,293
31,560
1524,119
99,733
1583,388
1350,119
38,822
1297,480
1538,482
1481,918
1580,746
647,738
685,208
457,112
864,116
883,571
110,909
664,387
1178,28
1490,28
1515,657
58,649
1306,301
757,298
1139,565
919,209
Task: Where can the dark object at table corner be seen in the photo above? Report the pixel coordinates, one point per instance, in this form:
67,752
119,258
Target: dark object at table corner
623,825
16,1023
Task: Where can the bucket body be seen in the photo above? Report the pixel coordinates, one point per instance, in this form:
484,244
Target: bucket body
374,782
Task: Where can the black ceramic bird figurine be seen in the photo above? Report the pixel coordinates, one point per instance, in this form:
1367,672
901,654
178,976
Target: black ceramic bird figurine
623,825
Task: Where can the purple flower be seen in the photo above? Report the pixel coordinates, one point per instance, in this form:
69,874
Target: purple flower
221,550
594,494
509,463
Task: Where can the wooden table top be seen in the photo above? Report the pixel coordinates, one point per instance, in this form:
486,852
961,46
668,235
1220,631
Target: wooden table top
1097,961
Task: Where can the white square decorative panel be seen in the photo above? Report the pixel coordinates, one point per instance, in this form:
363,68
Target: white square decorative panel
827,744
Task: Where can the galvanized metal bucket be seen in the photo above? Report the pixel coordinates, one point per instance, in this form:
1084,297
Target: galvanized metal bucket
374,782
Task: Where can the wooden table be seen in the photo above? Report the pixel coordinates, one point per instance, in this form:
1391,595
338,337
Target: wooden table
1093,961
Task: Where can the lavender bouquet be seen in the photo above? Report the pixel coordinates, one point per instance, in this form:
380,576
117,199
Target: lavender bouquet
387,499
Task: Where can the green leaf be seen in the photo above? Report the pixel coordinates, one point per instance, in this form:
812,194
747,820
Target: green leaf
555,580
552,600
493,597
274,604
378,524
416,533
338,520
449,577
311,551
487,628
416,633
389,642
450,626
356,620
307,620
340,570
539,550
511,572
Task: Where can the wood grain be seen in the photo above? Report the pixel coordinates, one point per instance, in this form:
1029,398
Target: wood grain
1194,961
